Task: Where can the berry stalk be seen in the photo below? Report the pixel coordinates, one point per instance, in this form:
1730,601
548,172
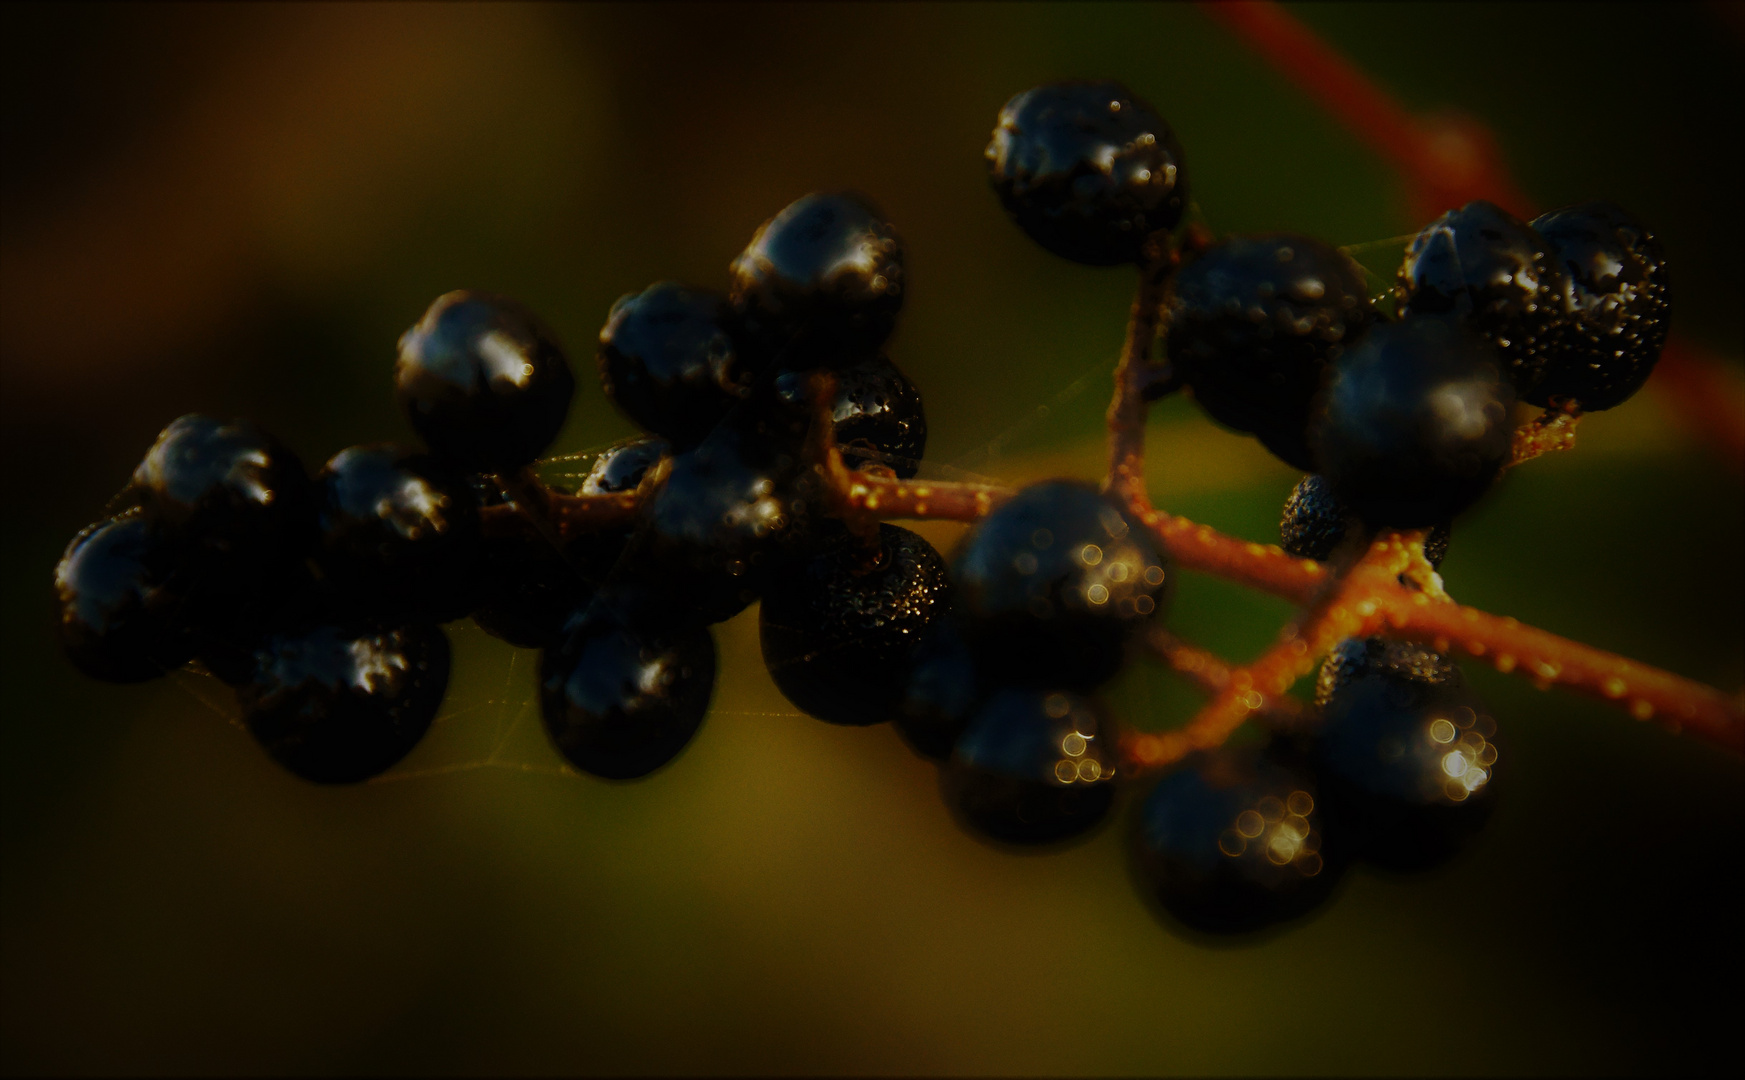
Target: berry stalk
1206,669
1343,613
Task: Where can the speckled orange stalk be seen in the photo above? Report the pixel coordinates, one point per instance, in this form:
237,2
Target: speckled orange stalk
1206,669
1346,611
1366,601
1552,431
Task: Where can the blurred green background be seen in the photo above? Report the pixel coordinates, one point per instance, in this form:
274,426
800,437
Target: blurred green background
236,210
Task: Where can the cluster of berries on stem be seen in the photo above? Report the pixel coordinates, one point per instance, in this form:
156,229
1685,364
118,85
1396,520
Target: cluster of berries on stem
780,439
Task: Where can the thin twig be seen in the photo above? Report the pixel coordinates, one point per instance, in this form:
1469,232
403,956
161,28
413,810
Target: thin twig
1345,611
1206,669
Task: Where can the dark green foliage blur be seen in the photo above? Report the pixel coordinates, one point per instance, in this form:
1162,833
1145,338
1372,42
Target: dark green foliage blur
237,210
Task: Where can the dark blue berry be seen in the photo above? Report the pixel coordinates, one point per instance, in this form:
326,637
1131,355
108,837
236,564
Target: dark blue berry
820,284
1496,274
1253,324
620,701
667,358
1231,841
527,589
483,381
1315,522
399,533
1087,169
227,493
1413,425
879,420
1618,303
941,691
1406,753
337,704
838,630
123,614
1033,767
723,520
1053,584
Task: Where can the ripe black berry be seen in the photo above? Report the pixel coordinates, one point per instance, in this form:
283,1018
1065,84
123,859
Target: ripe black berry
528,589
1618,304
668,360
337,704
123,615
879,420
1254,323
1033,767
1087,170
399,533
483,382
618,701
229,492
820,284
718,526
1230,841
1406,753
1053,584
839,629
1413,425
1315,521
941,690
1496,274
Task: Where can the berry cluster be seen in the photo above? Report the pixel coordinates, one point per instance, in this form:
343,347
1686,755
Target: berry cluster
319,598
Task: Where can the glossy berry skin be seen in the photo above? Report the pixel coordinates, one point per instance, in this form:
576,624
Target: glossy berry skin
1254,323
879,419
1087,169
1618,303
483,381
941,691
622,467
526,589
718,526
838,630
1232,841
1496,274
337,704
1033,767
123,614
1053,583
399,533
229,492
1315,521
1406,752
1413,425
820,284
619,702
530,588
667,358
